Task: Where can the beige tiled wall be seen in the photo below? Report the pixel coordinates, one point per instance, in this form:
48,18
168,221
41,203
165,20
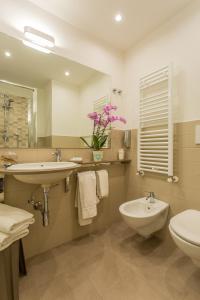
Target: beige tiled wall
182,195
63,215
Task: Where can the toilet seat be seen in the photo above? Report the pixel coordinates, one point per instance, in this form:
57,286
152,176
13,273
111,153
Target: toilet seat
186,225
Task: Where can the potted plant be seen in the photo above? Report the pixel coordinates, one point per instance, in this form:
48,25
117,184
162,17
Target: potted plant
101,127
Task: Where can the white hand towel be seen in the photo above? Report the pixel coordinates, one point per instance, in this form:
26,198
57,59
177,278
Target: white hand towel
7,239
14,219
102,183
86,199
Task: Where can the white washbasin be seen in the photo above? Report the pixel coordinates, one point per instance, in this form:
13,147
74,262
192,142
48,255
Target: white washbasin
43,173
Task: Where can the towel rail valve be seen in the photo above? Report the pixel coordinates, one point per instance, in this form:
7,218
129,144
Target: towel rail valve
173,179
140,173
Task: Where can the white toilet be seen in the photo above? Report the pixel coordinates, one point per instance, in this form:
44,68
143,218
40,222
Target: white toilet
143,216
185,231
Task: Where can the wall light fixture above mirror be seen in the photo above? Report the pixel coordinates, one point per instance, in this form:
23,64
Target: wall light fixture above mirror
38,40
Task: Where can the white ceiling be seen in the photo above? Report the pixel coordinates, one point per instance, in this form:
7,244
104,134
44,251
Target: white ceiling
33,68
96,17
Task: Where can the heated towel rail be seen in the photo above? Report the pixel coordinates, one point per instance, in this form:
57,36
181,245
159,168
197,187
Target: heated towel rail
155,134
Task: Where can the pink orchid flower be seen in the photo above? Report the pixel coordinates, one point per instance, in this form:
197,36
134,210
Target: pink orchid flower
108,107
93,115
100,126
116,118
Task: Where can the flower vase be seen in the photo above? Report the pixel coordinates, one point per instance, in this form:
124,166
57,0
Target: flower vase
97,155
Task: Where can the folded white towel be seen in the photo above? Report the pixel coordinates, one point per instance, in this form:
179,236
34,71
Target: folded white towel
102,183
14,219
86,198
7,239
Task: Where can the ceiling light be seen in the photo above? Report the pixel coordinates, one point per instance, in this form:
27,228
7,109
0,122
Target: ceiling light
36,47
7,54
38,37
67,73
118,17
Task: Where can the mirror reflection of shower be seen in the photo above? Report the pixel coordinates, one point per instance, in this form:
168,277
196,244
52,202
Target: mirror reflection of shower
7,106
17,115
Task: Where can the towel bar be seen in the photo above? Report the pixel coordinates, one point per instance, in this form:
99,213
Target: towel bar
90,165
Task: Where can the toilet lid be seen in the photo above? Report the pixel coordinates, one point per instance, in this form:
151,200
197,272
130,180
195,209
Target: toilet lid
187,225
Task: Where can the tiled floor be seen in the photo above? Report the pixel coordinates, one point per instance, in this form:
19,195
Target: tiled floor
113,265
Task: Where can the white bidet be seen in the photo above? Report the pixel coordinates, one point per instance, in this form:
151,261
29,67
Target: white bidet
143,216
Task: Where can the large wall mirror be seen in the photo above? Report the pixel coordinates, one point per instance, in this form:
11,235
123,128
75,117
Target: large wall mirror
41,104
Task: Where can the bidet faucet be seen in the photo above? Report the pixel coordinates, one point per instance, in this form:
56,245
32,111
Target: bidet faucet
150,197
58,155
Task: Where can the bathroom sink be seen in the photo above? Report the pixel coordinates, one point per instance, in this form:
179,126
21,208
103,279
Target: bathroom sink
44,173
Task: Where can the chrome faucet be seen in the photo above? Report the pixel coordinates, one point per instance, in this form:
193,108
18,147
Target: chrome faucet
150,197
58,155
